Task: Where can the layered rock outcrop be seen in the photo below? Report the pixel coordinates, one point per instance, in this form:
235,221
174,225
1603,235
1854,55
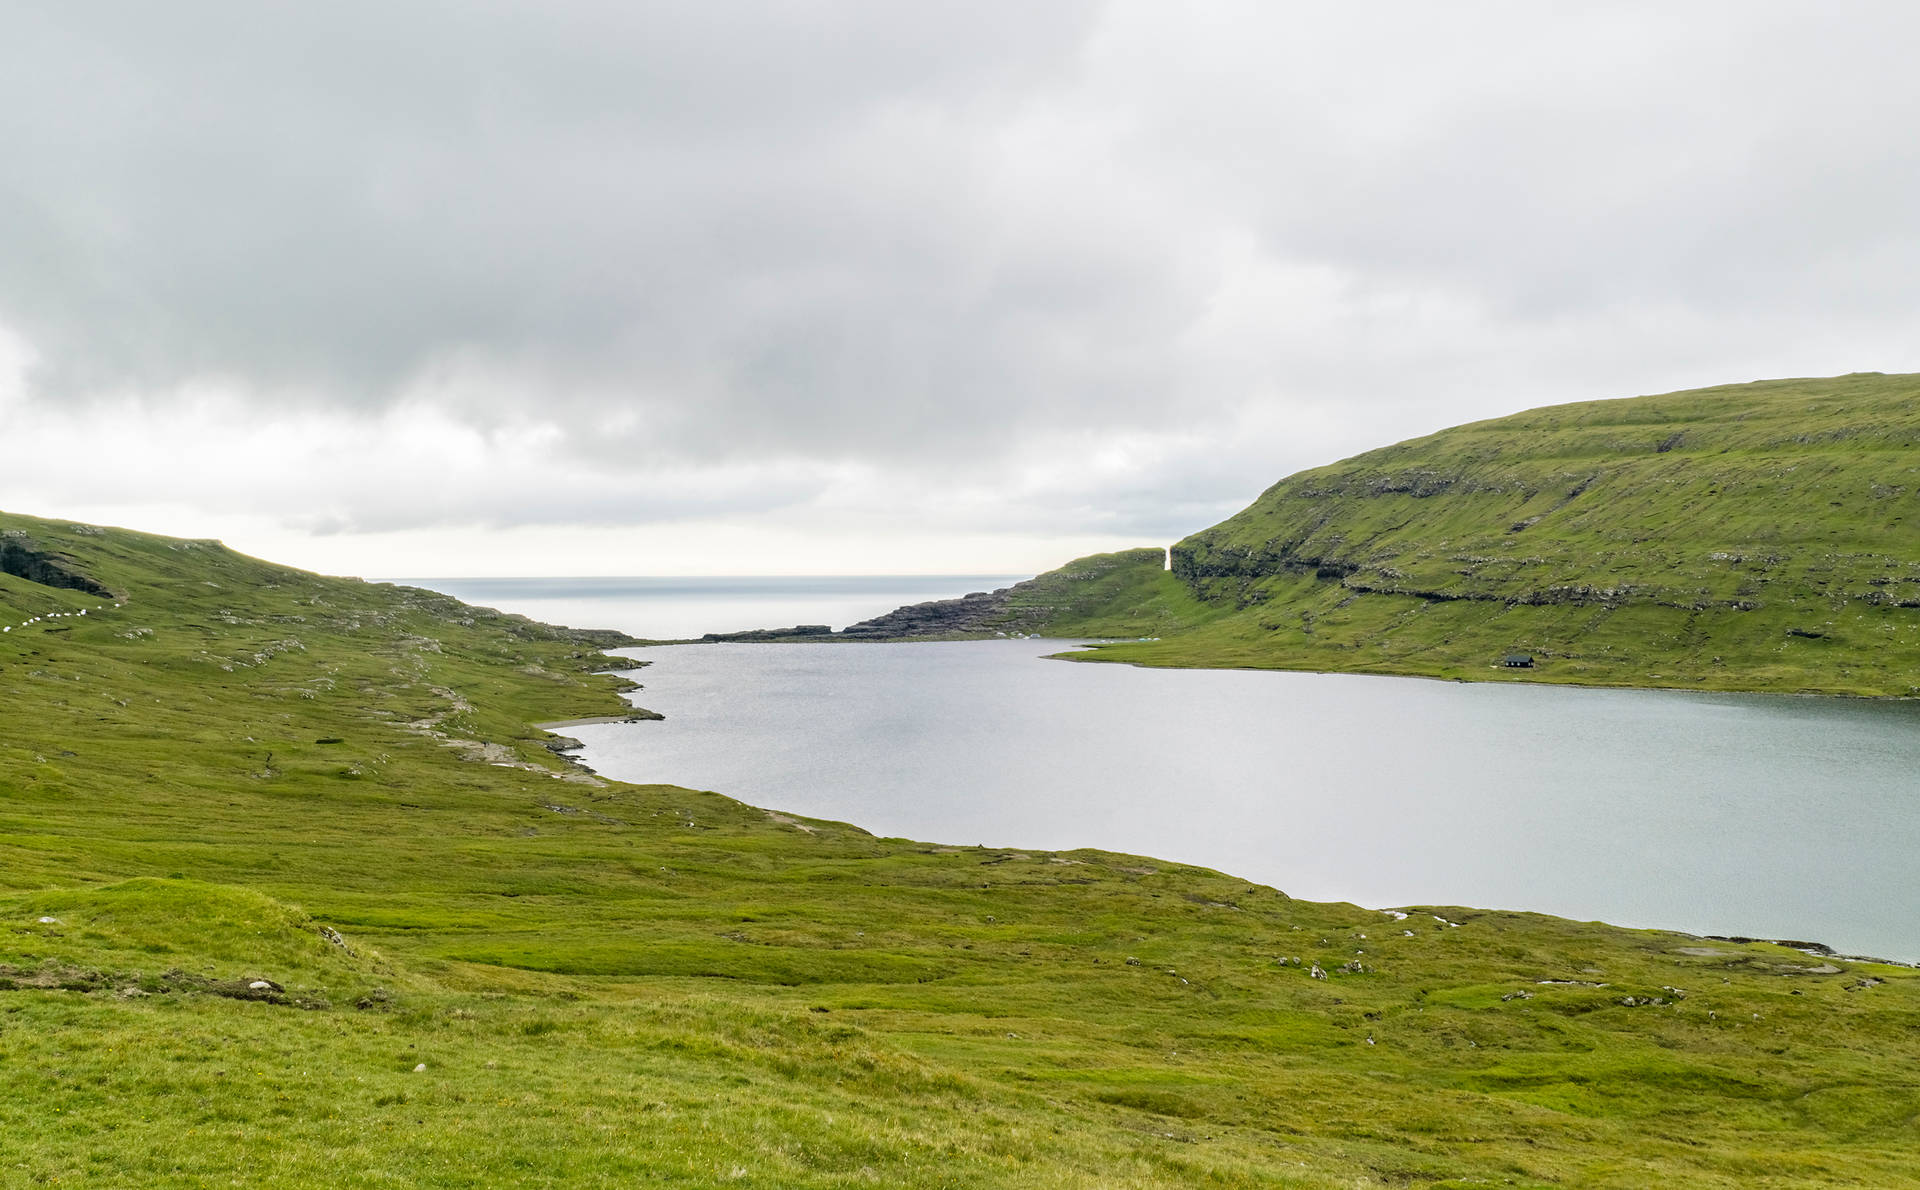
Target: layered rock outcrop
980,611
20,559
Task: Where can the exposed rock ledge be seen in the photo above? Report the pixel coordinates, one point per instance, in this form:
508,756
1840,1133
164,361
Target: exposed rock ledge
979,612
797,632
19,559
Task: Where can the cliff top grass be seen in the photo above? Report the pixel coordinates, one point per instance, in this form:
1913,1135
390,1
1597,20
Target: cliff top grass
1708,498
1761,537
291,891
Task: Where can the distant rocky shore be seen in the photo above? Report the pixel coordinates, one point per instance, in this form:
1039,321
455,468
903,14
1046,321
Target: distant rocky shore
981,613
978,612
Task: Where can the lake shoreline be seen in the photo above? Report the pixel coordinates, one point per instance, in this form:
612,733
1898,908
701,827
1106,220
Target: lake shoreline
1813,949
1090,647
1089,655
596,751
639,715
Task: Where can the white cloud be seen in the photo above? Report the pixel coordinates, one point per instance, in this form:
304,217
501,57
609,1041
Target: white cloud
857,271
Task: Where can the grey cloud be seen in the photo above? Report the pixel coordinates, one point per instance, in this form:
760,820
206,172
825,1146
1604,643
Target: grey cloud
658,205
917,237
1556,161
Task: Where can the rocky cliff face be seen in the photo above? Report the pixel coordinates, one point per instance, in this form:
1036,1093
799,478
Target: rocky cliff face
19,558
797,632
979,614
976,613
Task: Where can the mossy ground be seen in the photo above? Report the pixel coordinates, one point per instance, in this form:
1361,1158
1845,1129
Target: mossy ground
613,984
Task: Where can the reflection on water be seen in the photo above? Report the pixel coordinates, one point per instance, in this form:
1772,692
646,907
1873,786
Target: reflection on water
1762,815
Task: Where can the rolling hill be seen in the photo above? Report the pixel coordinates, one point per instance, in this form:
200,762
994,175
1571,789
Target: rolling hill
1759,536
292,891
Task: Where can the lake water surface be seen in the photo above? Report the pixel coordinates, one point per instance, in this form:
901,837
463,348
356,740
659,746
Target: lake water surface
1762,815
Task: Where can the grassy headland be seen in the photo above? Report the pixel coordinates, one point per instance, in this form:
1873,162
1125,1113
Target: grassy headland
292,893
1751,537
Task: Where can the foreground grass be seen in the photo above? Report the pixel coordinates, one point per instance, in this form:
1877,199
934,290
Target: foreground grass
482,967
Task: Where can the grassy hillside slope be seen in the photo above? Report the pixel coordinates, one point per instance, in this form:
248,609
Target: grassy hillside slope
292,893
1757,537
1129,593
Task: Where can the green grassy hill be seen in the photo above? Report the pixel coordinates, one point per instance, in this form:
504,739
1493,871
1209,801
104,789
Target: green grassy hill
1752,537
293,894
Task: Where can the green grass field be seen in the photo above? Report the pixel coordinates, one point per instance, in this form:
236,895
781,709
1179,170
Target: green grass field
1753,537
293,894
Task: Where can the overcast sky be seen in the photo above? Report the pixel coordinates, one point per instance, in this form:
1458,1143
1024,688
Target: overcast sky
560,287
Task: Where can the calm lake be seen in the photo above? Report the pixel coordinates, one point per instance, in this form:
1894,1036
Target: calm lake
1769,816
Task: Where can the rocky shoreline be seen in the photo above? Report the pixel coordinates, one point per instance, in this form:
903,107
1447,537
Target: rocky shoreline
977,614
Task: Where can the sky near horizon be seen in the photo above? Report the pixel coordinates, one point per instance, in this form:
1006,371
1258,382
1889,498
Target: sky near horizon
854,286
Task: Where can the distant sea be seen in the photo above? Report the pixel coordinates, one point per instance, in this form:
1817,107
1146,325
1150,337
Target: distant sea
679,608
